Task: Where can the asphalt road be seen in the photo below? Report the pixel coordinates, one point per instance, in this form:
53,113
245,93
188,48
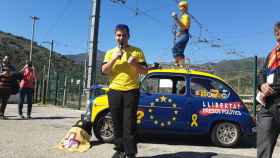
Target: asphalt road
36,138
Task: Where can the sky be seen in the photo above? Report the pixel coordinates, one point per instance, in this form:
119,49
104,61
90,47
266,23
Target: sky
233,29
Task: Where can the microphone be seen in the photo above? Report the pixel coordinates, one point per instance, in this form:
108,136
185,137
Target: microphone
121,46
174,15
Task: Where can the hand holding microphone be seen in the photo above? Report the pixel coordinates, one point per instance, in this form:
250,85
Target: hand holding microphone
174,15
118,54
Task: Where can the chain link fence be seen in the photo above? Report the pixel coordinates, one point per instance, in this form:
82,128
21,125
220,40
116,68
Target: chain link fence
62,90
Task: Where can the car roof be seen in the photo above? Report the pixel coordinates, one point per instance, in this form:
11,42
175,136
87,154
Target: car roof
185,71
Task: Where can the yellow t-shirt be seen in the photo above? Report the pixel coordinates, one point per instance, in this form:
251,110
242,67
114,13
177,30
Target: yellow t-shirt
123,76
185,20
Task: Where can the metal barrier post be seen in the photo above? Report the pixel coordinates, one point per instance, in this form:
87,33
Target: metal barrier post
37,90
56,89
255,85
80,94
44,85
65,92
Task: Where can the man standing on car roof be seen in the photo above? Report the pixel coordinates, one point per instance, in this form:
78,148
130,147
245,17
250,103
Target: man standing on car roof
183,24
123,64
268,119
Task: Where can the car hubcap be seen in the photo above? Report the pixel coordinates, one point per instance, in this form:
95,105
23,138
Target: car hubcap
226,133
106,129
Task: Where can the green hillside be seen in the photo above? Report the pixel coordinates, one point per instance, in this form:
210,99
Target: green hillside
238,73
18,49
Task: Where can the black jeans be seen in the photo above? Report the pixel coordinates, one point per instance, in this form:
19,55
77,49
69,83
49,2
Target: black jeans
268,129
123,106
4,101
28,92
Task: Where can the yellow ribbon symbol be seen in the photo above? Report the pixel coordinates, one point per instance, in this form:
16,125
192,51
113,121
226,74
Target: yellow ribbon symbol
140,115
194,120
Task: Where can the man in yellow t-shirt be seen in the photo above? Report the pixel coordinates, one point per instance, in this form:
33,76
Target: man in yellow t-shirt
123,64
182,36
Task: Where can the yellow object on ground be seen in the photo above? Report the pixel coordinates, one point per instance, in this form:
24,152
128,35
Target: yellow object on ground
76,140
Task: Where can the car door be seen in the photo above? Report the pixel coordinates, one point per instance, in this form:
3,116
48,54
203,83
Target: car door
162,102
210,100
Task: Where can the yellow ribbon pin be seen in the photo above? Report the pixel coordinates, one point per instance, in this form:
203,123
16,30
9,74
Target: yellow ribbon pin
194,120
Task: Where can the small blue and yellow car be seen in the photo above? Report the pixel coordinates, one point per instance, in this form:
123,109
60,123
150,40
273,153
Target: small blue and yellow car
180,101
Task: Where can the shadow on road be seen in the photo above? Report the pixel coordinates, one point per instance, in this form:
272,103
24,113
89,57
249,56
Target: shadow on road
245,142
95,143
185,155
40,118
52,118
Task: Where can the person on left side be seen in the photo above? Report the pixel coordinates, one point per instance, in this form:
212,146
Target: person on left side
7,71
26,88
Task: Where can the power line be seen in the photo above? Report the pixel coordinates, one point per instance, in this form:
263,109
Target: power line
59,18
138,11
201,39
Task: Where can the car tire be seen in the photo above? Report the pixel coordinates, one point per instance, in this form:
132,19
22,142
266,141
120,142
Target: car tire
103,128
225,134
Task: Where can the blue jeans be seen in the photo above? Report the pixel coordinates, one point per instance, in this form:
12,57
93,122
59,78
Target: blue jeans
180,45
28,93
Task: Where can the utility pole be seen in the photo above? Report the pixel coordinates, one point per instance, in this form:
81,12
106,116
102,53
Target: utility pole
49,69
34,18
92,51
85,75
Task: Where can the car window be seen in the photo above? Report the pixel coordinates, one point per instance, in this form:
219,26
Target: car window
164,84
204,87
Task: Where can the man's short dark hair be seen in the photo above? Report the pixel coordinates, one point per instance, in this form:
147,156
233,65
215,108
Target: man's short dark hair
122,27
277,26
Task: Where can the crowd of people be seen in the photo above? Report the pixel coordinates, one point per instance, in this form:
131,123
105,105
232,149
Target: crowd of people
13,82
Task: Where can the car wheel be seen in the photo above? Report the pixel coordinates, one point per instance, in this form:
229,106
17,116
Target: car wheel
225,134
103,128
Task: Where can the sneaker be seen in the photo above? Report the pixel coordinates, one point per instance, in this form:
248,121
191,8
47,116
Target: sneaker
21,116
29,117
119,154
2,117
